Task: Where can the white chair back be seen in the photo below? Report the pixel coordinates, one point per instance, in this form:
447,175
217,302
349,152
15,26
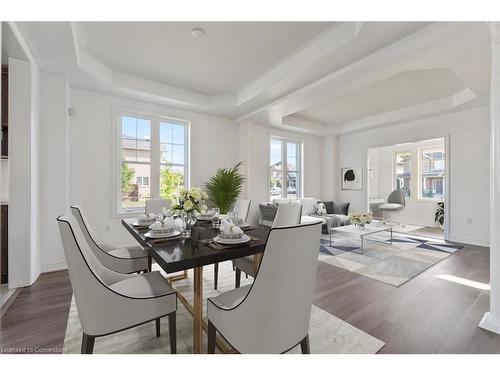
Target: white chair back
242,207
155,206
274,316
288,214
89,233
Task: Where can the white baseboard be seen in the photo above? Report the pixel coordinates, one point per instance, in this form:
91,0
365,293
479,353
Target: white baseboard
470,241
54,266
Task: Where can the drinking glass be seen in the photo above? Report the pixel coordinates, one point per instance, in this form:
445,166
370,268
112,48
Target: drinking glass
234,217
216,218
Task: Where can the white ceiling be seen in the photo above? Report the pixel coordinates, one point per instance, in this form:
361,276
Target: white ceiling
398,91
224,60
317,78
438,71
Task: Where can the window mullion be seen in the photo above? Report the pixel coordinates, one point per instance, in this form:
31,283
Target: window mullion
154,182
284,175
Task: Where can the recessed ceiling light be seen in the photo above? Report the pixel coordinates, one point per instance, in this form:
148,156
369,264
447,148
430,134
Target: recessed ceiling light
198,32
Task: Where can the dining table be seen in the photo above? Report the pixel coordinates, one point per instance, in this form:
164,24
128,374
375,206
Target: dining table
181,253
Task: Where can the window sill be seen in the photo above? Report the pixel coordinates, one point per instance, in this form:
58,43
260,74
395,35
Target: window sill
423,200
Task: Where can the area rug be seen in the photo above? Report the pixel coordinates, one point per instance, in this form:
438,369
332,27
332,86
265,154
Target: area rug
393,264
328,334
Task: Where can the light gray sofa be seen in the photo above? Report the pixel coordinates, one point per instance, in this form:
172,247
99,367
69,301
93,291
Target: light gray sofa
330,220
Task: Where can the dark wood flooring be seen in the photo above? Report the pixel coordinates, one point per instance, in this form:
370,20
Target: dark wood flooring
425,315
36,321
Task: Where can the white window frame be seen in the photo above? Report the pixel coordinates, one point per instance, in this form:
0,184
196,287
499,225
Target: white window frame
155,162
395,172
420,173
284,171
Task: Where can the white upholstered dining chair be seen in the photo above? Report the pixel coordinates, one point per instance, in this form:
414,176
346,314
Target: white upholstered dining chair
119,259
288,214
156,206
271,315
107,301
242,207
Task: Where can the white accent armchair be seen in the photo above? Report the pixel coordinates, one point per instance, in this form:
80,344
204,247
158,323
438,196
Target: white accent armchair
395,202
272,315
288,214
119,259
108,301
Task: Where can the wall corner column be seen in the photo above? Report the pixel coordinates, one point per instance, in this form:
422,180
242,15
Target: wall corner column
491,319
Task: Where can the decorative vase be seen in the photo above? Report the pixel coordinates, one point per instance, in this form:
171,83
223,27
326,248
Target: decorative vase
361,226
190,220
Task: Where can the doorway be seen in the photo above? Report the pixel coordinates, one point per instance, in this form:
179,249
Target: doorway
420,170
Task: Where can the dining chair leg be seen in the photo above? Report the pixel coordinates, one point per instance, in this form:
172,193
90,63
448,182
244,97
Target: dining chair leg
172,330
304,345
216,275
238,278
211,338
157,321
87,344
150,263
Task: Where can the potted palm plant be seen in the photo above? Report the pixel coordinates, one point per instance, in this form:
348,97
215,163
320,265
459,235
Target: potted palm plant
224,187
439,214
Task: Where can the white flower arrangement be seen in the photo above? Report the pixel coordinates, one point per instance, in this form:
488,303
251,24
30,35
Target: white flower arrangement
189,200
360,219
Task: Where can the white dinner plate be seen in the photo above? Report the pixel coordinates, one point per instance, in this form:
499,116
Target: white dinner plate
232,241
136,224
166,235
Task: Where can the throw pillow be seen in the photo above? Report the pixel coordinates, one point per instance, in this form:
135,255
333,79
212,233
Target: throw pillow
329,207
320,208
341,208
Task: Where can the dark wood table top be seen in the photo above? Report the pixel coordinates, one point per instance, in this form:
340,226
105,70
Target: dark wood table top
184,253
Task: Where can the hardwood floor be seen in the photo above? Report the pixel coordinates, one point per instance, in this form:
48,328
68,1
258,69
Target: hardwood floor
36,321
425,315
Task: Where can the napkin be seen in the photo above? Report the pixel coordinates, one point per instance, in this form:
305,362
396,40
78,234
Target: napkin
167,223
228,228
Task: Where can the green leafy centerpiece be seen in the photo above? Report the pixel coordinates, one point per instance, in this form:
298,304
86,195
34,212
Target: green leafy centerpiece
224,187
360,219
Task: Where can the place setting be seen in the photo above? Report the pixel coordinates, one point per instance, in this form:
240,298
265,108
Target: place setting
230,234
165,229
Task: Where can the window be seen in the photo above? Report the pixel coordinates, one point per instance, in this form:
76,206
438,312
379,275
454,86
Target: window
153,159
432,168
285,173
403,171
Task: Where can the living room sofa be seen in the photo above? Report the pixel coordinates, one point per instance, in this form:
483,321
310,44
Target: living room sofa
336,215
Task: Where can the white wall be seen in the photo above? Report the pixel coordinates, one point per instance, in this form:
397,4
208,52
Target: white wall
469,165
53,168
330,162
254,140
92,152
24,256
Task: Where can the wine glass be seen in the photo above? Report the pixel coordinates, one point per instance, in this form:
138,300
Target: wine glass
216,217
234,218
